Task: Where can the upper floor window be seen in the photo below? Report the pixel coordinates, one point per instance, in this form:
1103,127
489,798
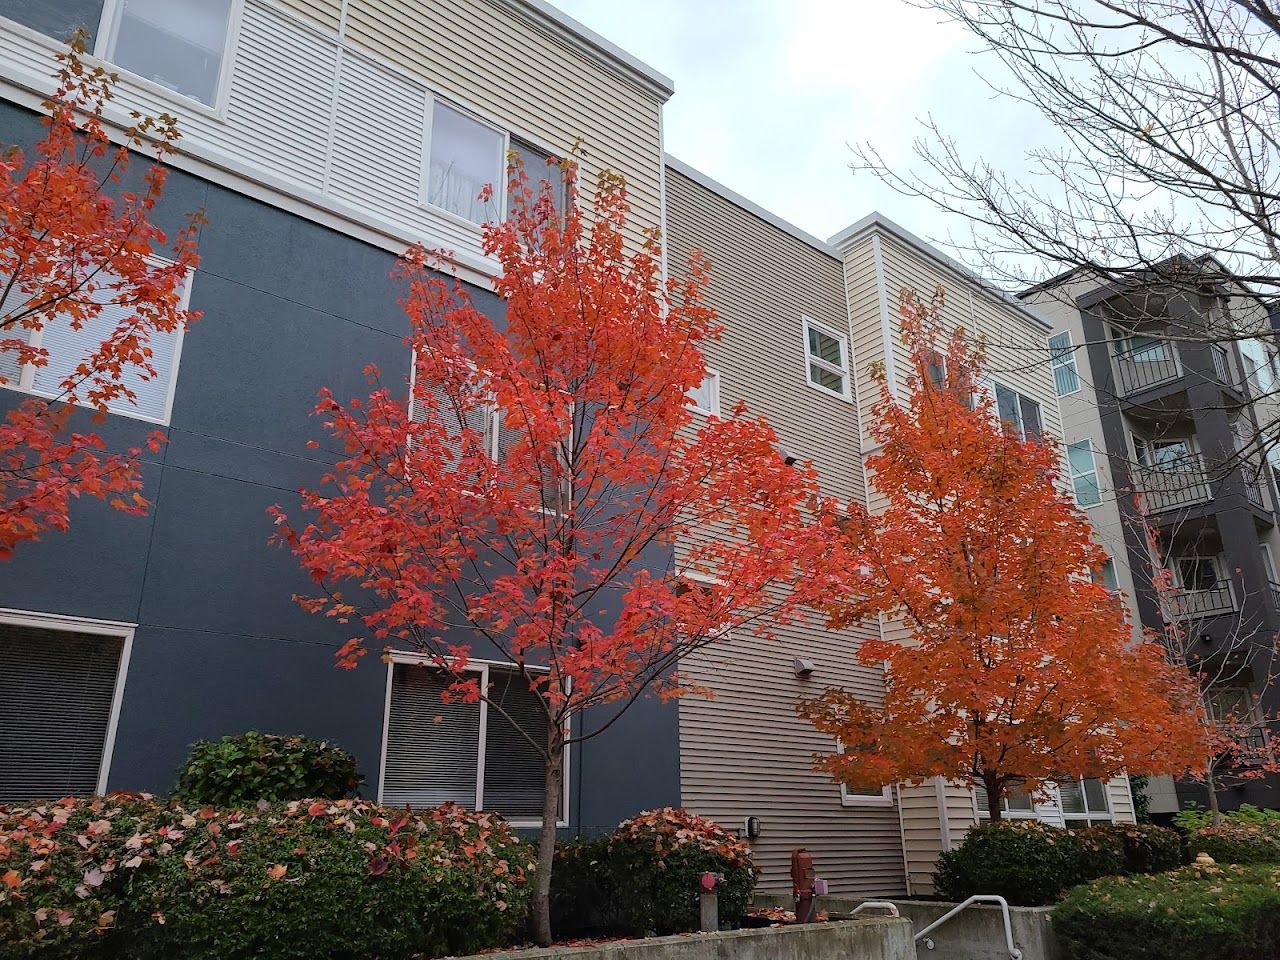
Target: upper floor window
68,347
179,44
827,358
1084,473
705,398
538,168
1141,347
1259,365
1062,358
465,156
1019,413
1163,454
1106,575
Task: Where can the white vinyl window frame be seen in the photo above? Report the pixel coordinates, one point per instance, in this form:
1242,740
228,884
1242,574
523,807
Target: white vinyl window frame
843,369
1076,475
711,381
103,628
104,48
1063,357
883,799
1006,811
26,377
1089,817
483,668
1216,562
424,172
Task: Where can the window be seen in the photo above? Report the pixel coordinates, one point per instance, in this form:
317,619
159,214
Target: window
55,18
1197,573
705,398
1141,348
464,157
1062,359
1106,575
1168,455
827,358
67,348
1084,473
864,796
935,370
1016,802
1269,564
58,690
1084,802
1230,705
179,44
1019,414
467,753
537,168
1259,365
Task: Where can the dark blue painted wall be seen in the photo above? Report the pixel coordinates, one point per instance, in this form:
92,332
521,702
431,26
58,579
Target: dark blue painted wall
288,306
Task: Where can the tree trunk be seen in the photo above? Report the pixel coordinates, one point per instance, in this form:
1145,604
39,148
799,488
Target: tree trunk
547,838
1212,784
995,791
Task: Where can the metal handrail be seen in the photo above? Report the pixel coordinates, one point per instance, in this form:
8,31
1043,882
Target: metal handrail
1014,952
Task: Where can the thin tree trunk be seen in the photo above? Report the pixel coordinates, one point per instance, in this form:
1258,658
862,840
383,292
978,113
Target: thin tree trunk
994,793
547,838
1213,798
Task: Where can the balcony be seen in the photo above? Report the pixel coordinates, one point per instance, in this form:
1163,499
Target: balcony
1174,485
1253,481
1275,595
1150,364
1195,604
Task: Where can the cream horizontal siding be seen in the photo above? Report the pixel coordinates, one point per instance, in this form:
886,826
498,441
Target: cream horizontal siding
323,13
490,61
745,752
1120,796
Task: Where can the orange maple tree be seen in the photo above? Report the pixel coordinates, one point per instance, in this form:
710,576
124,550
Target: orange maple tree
1020,668
537,499
73,243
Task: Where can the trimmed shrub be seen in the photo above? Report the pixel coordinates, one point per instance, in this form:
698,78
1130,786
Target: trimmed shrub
1228,913
1234,841
151,880
658,857
1191,819
241,770
643,878
1147,847
1030,864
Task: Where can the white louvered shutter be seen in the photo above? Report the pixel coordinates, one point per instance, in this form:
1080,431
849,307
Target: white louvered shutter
428,762
514,773
56,690
68,348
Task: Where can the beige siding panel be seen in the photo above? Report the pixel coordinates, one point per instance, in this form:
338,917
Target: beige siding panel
745,752
322,13
1120,795
503,68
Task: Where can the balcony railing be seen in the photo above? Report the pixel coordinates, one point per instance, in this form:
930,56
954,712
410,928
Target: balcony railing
1174,485
1190,604
1221,363
1253,485
1146,366
1275,595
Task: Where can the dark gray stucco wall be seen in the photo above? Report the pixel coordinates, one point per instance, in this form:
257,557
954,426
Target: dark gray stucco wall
288,306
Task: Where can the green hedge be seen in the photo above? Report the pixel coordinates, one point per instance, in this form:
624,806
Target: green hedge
1028,863
137,878
1224,913
1237,841
1147,847
243,769
643,878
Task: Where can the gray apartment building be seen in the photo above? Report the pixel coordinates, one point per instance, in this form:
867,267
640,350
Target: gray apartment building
1163,404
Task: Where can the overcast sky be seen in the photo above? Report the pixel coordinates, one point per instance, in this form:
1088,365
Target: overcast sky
770,93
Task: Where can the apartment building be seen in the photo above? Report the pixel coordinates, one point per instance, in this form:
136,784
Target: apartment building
321,138
1161,419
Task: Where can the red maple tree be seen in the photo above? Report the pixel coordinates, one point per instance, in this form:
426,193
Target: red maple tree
1020,669
74,243
544,498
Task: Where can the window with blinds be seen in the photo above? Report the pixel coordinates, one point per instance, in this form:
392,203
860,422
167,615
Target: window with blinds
56,693
68,347
434,749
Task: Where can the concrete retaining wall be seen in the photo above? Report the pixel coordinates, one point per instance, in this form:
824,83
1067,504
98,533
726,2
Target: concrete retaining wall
876,938
977,933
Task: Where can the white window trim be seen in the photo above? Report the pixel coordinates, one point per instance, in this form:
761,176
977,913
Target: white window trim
1070,361
104,628
105,38
424,175
1089,817
847,799
27,373
483,668
1219,571
845,370
714,376
1072,475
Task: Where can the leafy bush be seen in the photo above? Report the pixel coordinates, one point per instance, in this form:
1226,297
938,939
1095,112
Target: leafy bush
241,770
1147,848
1235,841
1191,819
643,877
1228,913
1028,863
132,877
